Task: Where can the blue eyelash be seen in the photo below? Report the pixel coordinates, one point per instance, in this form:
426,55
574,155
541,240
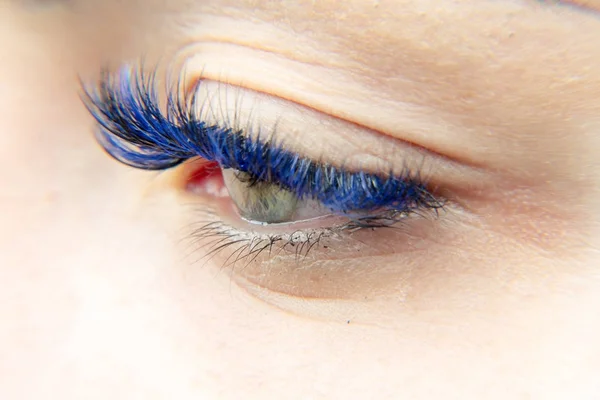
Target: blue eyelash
134,130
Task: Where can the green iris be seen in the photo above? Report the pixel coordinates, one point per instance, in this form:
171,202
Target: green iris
260,201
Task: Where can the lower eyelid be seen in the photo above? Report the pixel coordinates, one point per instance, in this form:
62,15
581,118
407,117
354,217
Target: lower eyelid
341,266
219,207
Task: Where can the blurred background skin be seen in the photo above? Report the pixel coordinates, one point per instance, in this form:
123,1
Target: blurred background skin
96,302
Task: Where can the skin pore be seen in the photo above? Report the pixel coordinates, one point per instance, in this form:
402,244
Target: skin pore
107,295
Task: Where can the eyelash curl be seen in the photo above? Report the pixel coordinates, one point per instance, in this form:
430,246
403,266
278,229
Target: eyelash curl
137,130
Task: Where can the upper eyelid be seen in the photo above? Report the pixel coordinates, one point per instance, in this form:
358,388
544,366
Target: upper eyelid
131,117
338,141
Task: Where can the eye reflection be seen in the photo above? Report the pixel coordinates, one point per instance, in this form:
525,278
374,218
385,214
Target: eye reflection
262,202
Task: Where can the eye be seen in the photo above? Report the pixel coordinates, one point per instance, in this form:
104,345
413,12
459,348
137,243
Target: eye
267,203
256,202
282,198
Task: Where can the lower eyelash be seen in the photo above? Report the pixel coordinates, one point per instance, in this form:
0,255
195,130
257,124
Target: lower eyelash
216,237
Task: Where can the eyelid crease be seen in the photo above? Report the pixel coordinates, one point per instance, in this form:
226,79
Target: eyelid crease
134,130
342,143
262,48
312,98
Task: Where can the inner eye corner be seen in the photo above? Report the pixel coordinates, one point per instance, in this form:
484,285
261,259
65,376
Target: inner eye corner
199,176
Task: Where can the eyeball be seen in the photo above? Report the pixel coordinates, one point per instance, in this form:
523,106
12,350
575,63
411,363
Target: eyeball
267,203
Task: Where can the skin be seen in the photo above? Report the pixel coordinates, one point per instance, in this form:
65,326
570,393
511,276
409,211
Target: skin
105,294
